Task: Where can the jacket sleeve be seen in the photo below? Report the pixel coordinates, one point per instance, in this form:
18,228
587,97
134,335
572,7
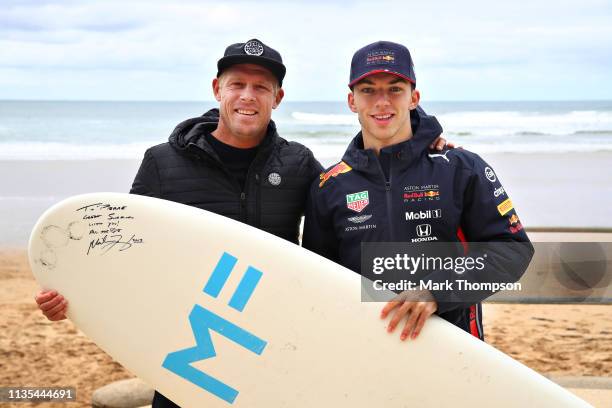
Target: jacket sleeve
492,230
314,167
147,181
319,235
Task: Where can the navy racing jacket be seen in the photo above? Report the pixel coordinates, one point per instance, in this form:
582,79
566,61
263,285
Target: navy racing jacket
412,194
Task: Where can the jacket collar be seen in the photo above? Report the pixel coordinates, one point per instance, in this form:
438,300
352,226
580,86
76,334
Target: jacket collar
191,133
425,130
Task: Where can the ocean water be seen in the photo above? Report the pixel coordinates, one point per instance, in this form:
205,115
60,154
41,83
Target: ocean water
51,150
41,130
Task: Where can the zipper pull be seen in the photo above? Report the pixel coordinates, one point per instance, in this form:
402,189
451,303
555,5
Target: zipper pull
243,196
388,185
256,178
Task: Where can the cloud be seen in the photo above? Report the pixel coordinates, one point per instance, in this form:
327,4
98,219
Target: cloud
181,42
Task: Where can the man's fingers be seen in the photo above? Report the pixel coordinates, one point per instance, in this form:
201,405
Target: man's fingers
399,314
388,307
420,323
46,306
58,316
44,296
410,323
438,143
441,143
60,307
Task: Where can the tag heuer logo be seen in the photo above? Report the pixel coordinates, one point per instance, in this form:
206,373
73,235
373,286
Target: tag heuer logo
357,201
253,47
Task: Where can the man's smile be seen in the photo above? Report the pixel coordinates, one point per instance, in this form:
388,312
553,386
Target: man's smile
382,118
247,112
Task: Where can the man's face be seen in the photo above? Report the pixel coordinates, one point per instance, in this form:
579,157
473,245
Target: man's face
383,103
247,93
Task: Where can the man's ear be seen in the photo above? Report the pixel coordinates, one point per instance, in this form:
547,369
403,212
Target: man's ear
279,97
351,102
415,98
215,86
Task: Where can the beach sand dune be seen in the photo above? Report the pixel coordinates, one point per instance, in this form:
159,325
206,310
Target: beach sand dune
563,340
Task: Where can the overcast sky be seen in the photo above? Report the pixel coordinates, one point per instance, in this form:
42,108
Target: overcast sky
149,50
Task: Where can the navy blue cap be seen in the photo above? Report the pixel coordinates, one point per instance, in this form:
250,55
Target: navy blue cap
382,56
253,52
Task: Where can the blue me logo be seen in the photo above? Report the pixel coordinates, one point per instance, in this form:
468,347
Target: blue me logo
203,321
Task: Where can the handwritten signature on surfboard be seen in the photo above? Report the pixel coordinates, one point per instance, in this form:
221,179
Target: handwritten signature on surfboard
106,224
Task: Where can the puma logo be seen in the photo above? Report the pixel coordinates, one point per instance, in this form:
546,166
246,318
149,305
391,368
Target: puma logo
442,155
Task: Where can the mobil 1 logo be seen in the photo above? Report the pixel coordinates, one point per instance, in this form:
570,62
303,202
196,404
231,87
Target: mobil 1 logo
423,215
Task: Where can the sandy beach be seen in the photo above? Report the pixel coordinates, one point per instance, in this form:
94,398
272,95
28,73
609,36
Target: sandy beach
562,340
36,352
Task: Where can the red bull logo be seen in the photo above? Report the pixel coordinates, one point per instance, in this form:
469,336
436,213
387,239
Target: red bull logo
418,195
339,168
414,195
516,228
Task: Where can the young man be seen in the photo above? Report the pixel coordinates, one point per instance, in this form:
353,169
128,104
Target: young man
389,187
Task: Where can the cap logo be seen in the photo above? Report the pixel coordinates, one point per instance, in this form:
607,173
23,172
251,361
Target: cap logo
253,47
380,57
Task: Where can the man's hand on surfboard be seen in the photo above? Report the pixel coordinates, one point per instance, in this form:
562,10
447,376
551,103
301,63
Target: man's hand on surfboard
52,304
418,307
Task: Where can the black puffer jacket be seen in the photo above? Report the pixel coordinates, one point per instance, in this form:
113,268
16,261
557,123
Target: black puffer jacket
187,170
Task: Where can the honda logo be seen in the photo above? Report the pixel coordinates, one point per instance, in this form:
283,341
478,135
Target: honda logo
423,230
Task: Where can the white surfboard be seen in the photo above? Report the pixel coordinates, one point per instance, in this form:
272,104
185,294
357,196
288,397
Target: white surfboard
214,313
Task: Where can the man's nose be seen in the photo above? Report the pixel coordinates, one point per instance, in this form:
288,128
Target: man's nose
247,94
382,99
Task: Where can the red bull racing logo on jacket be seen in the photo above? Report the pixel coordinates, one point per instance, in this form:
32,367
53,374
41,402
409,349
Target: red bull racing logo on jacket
339,168
421,193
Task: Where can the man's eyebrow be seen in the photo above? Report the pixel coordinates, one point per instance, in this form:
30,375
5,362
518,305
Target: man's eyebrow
398,79
366,81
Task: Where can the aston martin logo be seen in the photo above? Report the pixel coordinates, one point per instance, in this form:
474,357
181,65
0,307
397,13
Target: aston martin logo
360,218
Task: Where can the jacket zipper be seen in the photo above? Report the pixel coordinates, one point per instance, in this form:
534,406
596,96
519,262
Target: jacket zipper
388,197
258,200
242,190
256,191
243,212
238,187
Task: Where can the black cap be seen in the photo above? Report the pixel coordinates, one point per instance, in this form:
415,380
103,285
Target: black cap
382,56
253,52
